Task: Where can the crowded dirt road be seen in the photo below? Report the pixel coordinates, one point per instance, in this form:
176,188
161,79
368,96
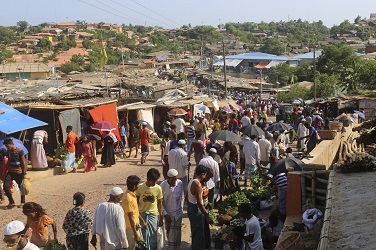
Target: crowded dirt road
55,193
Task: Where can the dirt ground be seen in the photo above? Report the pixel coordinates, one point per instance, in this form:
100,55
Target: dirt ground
55,193
352,223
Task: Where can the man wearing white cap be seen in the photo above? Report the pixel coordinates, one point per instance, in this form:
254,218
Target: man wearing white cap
109,223
178,159
213,183
302,132
14,237
173,201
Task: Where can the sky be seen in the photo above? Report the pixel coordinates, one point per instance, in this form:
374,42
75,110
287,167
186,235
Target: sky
175,13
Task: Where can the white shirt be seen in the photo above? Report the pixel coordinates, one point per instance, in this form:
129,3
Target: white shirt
302,130
209,162
252,226
167,148
178,159
109,224
173,199
251,151
180,124
245,121
265,149
39,135
30,246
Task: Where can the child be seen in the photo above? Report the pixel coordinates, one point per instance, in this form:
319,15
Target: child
216,126
237,242
88,153
232,173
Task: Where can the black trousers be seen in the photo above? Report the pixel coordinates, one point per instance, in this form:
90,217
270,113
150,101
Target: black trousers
18,178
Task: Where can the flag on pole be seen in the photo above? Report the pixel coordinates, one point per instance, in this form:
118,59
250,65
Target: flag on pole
103,57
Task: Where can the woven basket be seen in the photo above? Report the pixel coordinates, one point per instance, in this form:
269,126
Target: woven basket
327,134
337,126
293,242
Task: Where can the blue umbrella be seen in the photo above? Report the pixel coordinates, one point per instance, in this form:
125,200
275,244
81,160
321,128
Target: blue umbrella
16,143
360,114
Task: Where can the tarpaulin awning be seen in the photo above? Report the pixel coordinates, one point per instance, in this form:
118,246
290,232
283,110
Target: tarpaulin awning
262,65
12,120
106,112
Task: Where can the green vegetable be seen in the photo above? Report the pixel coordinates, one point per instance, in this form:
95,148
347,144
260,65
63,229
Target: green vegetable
213,216
232,202
61,151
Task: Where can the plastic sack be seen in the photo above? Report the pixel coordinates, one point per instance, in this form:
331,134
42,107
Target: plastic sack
160,238
26,186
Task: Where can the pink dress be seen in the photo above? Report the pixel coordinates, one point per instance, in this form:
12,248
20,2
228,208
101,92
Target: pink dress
87,152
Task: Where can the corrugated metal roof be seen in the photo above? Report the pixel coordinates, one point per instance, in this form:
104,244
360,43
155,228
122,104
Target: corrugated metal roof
134,106
24,68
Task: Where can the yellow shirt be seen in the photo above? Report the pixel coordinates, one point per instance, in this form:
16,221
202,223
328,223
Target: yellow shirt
148,198
130,205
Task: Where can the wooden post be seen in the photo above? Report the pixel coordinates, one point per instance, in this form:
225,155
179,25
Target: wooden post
314,189
304,191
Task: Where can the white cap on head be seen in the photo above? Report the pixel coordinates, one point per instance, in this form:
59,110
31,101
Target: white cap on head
181,142
144,123
116,191
213,150
172,172
303,120
168,123
14,227
269,135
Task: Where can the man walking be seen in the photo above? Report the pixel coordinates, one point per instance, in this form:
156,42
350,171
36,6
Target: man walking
265,149
178,159
133,139
72,139
213,183
251,151
149,195
172,203
132,214
37,154
16,171
144,141
14,237
109,223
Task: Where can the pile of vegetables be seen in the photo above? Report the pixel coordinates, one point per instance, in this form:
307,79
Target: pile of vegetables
61,151
232,202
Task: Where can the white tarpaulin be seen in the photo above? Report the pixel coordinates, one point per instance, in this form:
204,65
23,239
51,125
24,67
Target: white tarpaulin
229,62
147,115
196,109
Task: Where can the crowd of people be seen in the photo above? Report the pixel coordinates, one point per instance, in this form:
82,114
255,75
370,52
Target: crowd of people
135,216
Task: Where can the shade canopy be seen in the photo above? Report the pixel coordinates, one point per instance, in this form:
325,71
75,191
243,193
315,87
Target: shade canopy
12,120
225,135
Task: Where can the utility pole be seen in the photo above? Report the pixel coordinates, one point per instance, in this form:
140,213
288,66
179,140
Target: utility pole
260,84
314,72
224,67
201,53
211,76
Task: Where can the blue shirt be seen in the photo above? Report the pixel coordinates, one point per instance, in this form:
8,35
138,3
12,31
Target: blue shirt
232,170
122,131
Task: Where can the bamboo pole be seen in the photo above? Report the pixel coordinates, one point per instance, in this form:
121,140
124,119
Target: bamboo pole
314,189
304,189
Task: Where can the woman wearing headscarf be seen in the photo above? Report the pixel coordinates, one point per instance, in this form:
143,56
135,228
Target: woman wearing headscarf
108,151
77,224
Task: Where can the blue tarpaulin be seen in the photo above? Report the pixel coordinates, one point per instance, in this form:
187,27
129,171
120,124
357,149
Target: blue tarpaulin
12,120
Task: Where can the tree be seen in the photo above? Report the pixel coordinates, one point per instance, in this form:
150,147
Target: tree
44,43
87,44
281,73
78,59
7,35
5,54
69,67
296,91
22,25
273,46
341,60
325,85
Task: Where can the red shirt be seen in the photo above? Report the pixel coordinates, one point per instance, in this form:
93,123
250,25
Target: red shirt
144,136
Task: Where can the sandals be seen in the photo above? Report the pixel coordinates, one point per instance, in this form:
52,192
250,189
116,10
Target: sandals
10,206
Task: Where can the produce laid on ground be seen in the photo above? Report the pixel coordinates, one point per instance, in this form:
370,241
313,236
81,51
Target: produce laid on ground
56,159
228,210
357,153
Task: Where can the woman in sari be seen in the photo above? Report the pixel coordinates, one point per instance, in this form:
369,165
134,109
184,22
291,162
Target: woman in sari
38,221
77,224
88,153
108,153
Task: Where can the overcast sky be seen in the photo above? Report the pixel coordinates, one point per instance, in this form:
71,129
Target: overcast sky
175,13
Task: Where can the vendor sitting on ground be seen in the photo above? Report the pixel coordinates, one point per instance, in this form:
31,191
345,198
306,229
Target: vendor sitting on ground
271,229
